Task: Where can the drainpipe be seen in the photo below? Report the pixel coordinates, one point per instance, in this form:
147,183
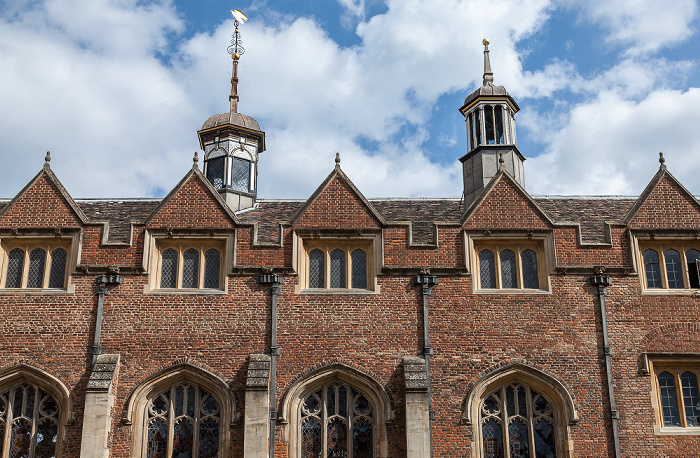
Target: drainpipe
601,281
102,282
426,282
274,281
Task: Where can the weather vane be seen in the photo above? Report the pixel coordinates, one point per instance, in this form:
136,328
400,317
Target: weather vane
236,48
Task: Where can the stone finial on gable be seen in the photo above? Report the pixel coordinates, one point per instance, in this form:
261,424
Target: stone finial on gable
47,159
662,161
195,160
337,161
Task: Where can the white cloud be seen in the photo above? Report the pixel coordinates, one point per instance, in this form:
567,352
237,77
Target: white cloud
646,25
610,145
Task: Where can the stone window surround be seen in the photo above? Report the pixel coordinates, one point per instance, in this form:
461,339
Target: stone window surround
655,363
156,241
661,241
24,373
135,412
51,239
541,241
565,414
368,386
304,241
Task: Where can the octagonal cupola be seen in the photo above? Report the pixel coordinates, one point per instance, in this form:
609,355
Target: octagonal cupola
233,141
489,113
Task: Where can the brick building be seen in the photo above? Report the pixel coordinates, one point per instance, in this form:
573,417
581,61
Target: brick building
497,325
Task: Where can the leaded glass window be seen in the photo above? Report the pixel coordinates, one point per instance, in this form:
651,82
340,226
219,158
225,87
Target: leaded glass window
531,277
487,269
188,267
29,417
338,266
183,420
216,169
240,174
519,422
36,267
508,267
509,273
336,420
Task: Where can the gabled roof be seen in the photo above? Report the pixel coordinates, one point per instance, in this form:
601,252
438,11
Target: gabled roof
504,203
34,192
358,205
193,213
656,200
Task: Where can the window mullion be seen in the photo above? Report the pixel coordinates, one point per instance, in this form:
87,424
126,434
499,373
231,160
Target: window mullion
348,268
679,397
324,419
662,267
47,268
195,423
327,267
497,263
684,268
519,268
200,271
25,268
179,268
171,421
35,413
530,420
504,420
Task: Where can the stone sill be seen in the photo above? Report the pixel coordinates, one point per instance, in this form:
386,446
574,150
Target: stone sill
343,291
504,292
39,291
188,292
676,431
671,292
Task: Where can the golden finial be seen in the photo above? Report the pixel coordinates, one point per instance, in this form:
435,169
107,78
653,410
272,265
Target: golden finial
485,42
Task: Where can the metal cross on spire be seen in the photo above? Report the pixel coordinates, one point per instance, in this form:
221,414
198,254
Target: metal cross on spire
236,50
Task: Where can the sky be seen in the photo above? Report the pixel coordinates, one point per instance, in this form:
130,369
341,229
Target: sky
117,89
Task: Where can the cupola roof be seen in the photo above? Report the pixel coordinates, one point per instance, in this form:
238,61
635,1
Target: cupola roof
488,88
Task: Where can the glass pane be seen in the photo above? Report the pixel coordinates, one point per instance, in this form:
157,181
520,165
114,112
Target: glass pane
337,439
190,268
651,268
209,404
160,405
492,435
691,400
500,136
316,269
209,438
477,116
215,171
669,403
529,264
179,401
168,270
545,447
46,437
337,269
342,401
29,405
673,269
18,402
487,269
362,439
15,265
518,438
190,402
35,276
509,274
57,274
330,400
240,175
21,439
182,439
358,258
693,259
540,405
522,403
311,405
212,264
362,405
490,406
157,444
310,438
488,122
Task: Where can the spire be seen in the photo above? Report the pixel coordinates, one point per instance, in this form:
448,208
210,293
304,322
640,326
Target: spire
488,74
236,50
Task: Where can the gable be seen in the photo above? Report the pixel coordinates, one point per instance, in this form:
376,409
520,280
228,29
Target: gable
41,204
337,206
666,205
191,205
505,205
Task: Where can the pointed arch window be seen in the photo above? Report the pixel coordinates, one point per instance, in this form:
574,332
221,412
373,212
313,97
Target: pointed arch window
505,266
338,265
677,392
34,265
672,266
336,420
29,421
518,421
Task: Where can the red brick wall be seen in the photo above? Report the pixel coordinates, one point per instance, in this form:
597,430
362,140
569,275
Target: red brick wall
41,206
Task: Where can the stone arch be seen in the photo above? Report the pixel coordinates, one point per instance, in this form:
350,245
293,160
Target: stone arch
365,383
135,411
527,375
21,373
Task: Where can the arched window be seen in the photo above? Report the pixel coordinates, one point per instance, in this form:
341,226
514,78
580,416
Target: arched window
182,420
520,412
316,269
517,267
509,271
693,259
336,420
35,267
338,264
673,269
240,174
337,268
215,165
531,276
184,266
487,269
181,412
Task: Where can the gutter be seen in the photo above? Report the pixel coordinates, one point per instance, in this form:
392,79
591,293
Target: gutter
102,282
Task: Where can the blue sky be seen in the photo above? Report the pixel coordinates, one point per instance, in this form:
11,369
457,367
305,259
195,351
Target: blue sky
117,90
